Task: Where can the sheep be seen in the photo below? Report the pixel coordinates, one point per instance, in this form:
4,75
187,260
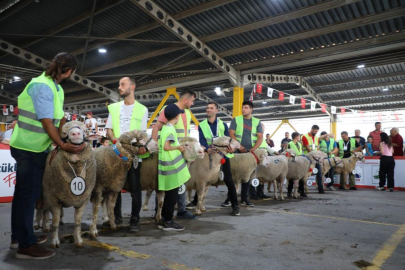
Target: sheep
149,170
112,172
204,172
275,172
327,164
61,184
349,164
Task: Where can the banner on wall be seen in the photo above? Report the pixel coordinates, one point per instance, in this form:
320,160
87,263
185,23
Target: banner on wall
7,175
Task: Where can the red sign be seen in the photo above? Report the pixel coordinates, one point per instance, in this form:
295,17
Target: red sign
281,96
303,103
323,108
259,88
361,114
342,111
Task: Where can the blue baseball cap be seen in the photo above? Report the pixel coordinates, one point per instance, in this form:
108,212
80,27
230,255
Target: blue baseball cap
171,111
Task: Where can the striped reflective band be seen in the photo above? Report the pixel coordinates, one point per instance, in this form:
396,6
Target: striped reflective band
33,116
254,134
30,127
179,138
173,171
179,130
238,136
171,162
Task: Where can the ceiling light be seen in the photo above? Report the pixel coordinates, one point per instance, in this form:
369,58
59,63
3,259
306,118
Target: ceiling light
361,66
385,89
102,50
16,78
218,91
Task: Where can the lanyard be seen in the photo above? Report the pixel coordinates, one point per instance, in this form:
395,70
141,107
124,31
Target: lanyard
216,134
346,144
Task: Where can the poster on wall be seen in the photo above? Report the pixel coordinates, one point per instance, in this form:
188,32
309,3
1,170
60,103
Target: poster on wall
359,175
375,169
7,175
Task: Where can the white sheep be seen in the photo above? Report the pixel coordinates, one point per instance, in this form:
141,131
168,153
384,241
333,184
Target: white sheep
68,181
349,164
112,172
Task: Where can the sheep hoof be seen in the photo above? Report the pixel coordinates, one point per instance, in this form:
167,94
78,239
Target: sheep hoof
55,243
282,199
36,227
94,233
46,230
114,228
203,210
145,208
61,222
79,244
197,213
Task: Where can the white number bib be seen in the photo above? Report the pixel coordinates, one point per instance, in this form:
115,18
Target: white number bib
255,182
182,189
328,180
77,186
315,171
221,176
309,183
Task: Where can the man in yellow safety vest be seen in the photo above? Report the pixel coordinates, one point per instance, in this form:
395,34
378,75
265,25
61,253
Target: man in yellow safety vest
40,116
328,146
124,116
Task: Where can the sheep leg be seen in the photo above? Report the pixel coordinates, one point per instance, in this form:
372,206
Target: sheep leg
45,221
38,217
112,198
296,189
274,188
77,233
55,243
147,198
160,198
207,188
104,209
200,192
269,187
62,213
96,199
189,195
281,187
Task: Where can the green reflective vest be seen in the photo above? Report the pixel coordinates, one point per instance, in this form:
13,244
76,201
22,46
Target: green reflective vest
181,133
341,146
207,132
138,112
297,150
324,147
172,168
29,134
239,130
311,143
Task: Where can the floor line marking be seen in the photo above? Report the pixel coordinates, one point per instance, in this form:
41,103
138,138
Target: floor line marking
328,217
388,248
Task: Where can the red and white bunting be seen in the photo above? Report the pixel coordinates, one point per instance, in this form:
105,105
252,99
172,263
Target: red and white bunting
333,109
270,92
11,108
303,103
342,111
292,99
323,108
313,105
281,96
259,88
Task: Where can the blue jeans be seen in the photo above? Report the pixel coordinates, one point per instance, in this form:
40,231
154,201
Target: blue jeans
181,203
28,190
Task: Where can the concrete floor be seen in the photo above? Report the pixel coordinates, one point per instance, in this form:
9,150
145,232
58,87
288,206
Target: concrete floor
332,231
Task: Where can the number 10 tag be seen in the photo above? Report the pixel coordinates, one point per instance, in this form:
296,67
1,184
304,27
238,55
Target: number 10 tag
77,186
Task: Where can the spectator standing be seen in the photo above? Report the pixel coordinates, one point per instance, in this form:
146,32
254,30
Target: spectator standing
387,163
6,135
286,139
376,136
397,142
91,124
269,141
362,141
369,147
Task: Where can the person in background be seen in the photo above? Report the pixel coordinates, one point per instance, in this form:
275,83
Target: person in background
347,146
369,147
376,137
361,141
328,146
285,140
269,141
397,142
104,142
284,146
387,163
297,147
91,124
6,135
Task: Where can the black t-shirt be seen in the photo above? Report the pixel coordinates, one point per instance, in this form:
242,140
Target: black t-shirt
346,153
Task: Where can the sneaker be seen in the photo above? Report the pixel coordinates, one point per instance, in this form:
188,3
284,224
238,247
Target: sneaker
353,188
264,196
303,194
161,224
107,225
191,206
340,187
391,190
247,204
34,252
380,188
186,215
235,211
226,204
171,226
40,240
134,226
331,188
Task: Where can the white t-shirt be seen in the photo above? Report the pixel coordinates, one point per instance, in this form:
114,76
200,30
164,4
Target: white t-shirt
6,135
91,121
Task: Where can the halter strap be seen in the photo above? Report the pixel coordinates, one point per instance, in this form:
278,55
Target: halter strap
257,159
124,158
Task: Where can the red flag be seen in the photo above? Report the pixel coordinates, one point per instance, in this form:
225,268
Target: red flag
251,97
361,114
281,96
396,117
342,111
4,109
15,110
259,88
379,116
323,108
303,103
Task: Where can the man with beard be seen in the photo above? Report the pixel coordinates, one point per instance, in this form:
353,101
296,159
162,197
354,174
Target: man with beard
125,116
40,120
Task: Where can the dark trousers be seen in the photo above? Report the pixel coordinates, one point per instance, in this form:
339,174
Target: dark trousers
28,190
291,186
256,191
169,203
319,177
136,193
330,174
244,191
387,166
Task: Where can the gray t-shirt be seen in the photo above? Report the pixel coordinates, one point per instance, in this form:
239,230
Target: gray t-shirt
247,131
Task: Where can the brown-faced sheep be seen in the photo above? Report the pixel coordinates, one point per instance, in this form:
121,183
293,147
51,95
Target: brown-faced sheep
349,164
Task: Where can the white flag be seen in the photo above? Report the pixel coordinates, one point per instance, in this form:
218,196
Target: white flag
292,99
5,111
270,92
354,111
333,109
11,108
313,105
254,88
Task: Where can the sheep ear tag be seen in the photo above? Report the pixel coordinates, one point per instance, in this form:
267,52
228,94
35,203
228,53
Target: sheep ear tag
221,176
328,180
77,186
315,171
255,182
182,189
309,183
135,162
